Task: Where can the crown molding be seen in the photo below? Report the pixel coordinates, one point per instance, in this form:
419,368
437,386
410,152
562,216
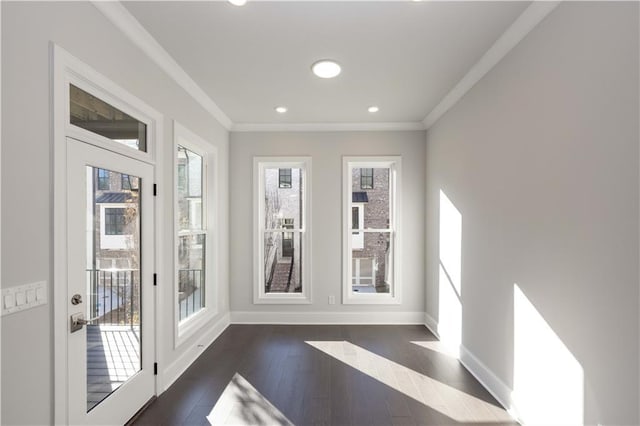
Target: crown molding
527,21
326,127
119,16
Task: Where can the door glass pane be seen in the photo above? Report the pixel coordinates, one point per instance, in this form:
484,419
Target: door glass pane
113,282
99,117
282,266
372,265
283,198
370,187
191,267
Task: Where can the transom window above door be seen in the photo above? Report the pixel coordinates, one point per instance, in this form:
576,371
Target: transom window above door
97,116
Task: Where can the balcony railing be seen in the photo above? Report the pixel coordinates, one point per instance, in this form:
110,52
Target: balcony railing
114,296
191,292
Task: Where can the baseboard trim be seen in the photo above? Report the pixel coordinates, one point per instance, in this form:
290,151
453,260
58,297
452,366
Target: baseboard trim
431,324
328,318
496,387
184,361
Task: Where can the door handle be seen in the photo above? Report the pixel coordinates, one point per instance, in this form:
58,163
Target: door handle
78,321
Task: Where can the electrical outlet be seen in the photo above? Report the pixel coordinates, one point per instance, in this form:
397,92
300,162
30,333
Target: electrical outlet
332,300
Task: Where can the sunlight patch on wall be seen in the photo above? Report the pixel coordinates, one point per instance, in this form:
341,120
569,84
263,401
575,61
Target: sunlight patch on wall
451,402
548,382
450,274
242,404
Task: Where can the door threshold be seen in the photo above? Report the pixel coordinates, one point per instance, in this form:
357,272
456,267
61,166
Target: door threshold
137,415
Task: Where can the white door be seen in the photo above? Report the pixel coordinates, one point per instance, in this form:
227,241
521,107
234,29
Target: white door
110,246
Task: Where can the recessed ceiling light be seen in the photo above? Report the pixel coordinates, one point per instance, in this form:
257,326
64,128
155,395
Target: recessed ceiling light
326,68
281,109
238,2
373,108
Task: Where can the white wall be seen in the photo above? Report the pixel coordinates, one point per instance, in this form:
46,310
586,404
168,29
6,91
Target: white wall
541,160
27,29
326,150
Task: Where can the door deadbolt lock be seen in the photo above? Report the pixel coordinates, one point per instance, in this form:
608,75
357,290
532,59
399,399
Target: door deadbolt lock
76,299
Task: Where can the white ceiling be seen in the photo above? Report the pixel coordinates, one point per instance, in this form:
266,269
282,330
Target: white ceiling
401,56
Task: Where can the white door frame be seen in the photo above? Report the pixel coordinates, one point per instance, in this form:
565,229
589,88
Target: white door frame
121,405
0,208
67,69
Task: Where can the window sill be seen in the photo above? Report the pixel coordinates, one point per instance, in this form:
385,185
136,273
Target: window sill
190,326
370,299
282,299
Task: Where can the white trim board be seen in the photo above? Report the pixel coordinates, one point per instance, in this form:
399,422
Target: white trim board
184,361
0,207
496,387
326,127
119,16
527,21
431,324
328,317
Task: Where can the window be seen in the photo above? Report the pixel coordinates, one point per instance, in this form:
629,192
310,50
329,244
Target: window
371,233
357,217
114,221
281,231
366,178
192,238
284,178
287,238
103,180
195,248
125,183
97,116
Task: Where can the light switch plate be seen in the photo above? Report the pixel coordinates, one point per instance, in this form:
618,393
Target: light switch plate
19,298
9,301
31,295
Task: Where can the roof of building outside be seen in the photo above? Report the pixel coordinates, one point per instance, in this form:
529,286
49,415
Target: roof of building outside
114,198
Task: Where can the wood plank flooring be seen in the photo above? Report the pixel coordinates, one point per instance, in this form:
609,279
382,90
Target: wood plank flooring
113,356
325,375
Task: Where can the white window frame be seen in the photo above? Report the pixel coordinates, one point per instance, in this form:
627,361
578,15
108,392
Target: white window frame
260,164
185,138
394,163
139,112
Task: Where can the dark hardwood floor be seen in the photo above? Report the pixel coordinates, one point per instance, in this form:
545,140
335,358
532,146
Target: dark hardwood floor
325,375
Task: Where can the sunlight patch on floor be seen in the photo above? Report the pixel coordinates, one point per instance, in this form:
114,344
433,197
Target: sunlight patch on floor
242,404
436,395
440,347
